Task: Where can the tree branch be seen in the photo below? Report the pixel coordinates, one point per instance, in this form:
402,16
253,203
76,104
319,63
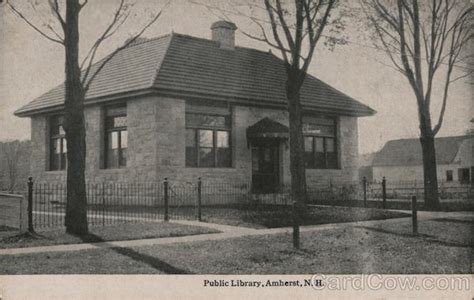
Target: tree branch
55,8
127,43
276,35
284,25
83,4
93,50
264,37
19,14
317,35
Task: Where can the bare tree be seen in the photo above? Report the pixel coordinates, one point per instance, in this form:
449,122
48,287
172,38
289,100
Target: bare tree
422,40
11,152
77,82
294,28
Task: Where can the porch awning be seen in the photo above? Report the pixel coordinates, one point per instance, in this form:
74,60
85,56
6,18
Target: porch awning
267,128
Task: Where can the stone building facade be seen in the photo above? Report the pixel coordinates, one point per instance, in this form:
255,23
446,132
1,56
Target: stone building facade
162,85
156,146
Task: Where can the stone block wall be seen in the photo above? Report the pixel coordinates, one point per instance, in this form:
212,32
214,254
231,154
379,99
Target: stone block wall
156,147
141,150
348,151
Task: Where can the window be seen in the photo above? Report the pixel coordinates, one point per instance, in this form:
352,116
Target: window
449,175
116,137
208,140
58,146
320,143
463,175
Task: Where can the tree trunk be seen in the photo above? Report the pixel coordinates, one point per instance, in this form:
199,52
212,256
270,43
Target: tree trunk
76,203
297,165
430,178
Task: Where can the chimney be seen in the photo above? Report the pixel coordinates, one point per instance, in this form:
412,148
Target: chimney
224,33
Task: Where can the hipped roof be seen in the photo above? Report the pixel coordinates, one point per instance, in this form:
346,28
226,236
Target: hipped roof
183,66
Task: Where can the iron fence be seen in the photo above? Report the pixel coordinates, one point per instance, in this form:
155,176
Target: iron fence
382,193
114,202
107,203
448,191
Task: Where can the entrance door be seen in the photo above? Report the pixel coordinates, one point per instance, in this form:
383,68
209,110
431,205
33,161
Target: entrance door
265,168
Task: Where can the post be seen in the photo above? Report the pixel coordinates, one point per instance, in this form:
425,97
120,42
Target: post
30,205
296,227
384,193
199,199
414,217
364,184
103,203
165,185
416,189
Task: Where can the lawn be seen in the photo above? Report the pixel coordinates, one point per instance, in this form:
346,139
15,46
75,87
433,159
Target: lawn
107,233
274,216
444,246
258,216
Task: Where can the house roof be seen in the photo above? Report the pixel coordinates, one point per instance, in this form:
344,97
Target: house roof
185,66
407,152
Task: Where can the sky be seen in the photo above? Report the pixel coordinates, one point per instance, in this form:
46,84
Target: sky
30,65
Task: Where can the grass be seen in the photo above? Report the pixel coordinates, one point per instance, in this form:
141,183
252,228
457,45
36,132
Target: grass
261,216
405,204
108,233
443,247
274,217
6,228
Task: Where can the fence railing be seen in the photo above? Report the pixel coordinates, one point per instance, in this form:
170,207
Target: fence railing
107,203
385,192
404,190
114,202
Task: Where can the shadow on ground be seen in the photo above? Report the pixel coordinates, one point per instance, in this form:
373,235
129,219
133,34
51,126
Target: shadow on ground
152,261
426,237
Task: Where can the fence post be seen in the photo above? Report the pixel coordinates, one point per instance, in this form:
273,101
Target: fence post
30,205
199,199
296,227
103,203
364,183
414,217
165,185
416,189
384,193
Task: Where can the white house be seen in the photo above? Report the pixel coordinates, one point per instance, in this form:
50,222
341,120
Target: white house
401,160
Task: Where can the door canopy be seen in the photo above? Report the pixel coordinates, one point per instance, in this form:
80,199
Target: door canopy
266,129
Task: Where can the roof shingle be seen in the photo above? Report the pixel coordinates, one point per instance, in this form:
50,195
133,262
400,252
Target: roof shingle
186,65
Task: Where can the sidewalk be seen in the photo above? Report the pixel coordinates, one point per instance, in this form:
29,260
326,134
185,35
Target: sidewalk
227,232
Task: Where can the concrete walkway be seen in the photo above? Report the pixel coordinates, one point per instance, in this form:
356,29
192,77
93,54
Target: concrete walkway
227,232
